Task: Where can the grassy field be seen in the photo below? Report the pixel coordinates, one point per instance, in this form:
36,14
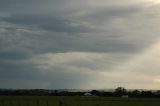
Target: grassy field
76,101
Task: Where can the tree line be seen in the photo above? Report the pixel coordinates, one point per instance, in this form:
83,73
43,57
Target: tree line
118,92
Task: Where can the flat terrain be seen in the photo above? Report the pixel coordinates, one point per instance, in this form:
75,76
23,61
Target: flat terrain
75,101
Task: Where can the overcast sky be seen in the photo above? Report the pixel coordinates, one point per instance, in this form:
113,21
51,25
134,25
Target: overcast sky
83,44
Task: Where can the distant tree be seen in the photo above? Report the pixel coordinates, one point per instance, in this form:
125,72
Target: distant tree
120,91
107,94
147,94
136,93
157,94
95,92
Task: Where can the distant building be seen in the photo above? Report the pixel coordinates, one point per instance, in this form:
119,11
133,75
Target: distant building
125,96
87,94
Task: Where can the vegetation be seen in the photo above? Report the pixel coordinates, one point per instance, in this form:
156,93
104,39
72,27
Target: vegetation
41,97
75,101
118,92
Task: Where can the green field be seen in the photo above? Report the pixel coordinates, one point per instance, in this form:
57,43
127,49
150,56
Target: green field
76,101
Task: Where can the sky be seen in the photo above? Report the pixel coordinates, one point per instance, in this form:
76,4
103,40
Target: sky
79,44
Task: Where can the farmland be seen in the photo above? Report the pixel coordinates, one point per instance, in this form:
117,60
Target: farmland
75,101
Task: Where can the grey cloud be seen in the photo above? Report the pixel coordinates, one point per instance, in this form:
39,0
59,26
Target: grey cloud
28,2
63,43
107,14
14,53
23,84
55,24
29,73
14,5
17,70
60,7
43,42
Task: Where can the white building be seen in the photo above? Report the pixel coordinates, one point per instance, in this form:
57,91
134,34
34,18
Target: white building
87,94
125,96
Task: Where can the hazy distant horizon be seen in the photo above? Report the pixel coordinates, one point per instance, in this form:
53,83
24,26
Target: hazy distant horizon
87,44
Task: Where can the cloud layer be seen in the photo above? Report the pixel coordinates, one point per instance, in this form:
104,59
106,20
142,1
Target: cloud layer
79,44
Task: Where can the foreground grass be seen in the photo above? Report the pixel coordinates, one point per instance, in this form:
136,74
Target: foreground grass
75,101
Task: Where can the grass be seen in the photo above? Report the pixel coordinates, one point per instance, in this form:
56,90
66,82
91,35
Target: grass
75,101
